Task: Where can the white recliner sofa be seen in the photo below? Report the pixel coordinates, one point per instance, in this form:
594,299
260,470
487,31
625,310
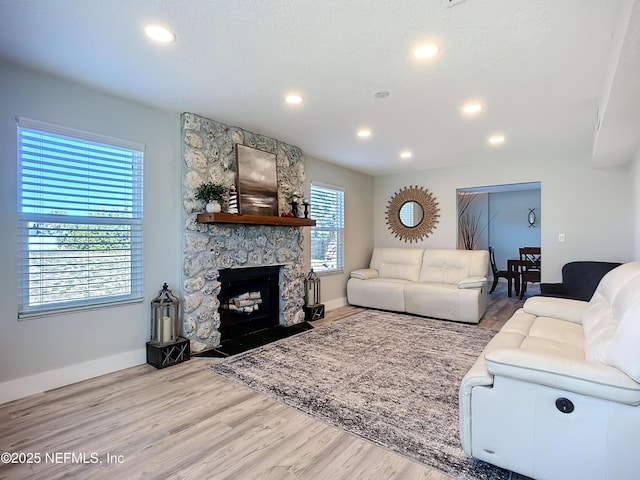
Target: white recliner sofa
556,393
438,283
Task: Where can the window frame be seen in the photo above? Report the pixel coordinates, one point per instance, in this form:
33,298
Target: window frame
132,223
339,229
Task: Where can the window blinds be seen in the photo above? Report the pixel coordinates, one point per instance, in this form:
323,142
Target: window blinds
80,218
327,237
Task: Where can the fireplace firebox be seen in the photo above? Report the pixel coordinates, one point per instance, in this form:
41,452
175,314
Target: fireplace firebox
249,300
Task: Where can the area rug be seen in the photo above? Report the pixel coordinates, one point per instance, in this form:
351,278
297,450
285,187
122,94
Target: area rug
389,378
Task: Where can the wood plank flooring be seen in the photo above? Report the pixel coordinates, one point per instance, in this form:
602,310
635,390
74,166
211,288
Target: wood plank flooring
185,422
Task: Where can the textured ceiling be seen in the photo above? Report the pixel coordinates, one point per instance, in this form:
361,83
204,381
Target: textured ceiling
540,67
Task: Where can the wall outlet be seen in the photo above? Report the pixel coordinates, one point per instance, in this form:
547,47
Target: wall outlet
561,237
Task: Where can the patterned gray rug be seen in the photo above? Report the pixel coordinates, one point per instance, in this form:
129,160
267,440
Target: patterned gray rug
389,378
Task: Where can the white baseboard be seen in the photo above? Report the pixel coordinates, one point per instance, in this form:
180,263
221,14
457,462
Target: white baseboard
339,302
41,382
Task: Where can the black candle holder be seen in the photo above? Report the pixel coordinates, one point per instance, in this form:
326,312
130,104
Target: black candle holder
306,209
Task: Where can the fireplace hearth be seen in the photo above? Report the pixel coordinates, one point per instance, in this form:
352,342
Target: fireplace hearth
248,300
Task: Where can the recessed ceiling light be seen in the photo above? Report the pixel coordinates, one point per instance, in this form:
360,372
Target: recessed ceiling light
426,51
364,133
293,99
496,139
406,154
159,33
472,108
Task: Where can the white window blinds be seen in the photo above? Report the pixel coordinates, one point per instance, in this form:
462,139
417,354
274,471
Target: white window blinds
80,219
327,237
406,215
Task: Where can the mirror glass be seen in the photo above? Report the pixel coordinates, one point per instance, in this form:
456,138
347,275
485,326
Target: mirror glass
411,214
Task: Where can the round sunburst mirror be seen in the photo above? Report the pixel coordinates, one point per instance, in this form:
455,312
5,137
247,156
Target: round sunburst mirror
412,213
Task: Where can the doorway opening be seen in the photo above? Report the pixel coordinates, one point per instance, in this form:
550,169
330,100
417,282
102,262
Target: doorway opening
505,217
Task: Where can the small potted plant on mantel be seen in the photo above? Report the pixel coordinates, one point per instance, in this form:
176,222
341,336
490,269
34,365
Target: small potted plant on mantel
212,194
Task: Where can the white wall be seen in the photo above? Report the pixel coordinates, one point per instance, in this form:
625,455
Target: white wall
592,207
635,169
359,201
50,351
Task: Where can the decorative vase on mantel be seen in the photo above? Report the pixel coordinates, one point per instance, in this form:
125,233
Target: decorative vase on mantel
213,207
212,194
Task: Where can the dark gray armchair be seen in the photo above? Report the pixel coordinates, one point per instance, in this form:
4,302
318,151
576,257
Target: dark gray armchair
579,280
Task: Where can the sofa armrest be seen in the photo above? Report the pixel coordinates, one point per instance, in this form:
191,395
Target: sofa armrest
472,282
364,273
552,288
561,308
556,371
479,376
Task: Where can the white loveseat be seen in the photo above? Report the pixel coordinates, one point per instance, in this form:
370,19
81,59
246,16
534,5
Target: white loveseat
438,283
556,393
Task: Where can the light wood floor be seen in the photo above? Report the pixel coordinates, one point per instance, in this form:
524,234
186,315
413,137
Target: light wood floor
186,422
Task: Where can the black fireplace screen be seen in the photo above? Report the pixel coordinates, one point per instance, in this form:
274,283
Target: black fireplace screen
249,300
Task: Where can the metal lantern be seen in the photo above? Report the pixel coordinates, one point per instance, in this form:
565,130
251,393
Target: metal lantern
312,289
165,317
313,309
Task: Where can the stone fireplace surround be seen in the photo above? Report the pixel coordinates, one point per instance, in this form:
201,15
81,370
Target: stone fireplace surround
208,152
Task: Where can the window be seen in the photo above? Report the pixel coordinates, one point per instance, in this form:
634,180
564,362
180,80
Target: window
327,237
80,219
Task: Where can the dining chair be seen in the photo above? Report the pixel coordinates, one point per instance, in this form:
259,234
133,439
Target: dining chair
497,274
530,260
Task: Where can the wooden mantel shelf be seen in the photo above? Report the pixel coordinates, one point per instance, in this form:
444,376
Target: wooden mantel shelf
254,219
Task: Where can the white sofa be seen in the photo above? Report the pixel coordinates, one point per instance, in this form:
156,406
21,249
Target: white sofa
445,284
556,393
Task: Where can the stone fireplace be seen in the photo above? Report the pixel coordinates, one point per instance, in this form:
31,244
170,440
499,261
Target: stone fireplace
208,150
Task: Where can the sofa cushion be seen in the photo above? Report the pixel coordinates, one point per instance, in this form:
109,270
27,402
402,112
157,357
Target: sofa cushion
600,327
545,334
613,282
452,266
558,333
402,263
606,342
399,271
534,363
384,294
432,298
442,300
622,349
550,351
